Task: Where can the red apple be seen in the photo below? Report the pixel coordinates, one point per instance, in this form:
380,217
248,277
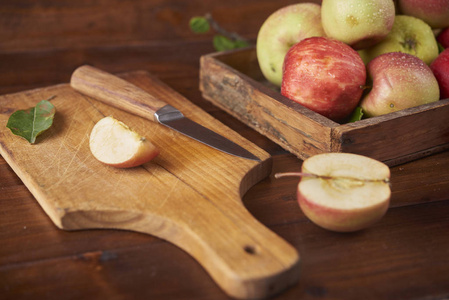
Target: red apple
443,38
440,68
433,12
324,75
400,81
115,144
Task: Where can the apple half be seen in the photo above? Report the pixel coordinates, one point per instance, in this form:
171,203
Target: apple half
343,192
113,143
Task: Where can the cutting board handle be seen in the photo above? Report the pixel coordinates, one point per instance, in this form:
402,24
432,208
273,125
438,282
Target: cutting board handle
115,92
245,258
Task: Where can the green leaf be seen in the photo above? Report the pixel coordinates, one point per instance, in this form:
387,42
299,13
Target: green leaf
241,44
222,43
33,121
199,25
440,48
356,115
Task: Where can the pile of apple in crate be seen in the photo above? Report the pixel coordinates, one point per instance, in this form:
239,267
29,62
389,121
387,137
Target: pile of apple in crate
347,59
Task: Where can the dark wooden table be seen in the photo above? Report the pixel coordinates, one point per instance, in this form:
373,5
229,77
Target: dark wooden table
405,256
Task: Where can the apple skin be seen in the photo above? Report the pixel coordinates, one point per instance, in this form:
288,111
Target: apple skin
443,38
433,12
342,220
324,75
281,30
340,209
400,81
115,144
408,35
358,23
440,68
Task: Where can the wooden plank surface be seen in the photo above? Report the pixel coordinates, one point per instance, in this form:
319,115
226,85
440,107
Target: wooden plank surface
405,256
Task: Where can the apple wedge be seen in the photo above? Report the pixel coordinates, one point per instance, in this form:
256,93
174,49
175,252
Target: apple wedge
115,144
343,192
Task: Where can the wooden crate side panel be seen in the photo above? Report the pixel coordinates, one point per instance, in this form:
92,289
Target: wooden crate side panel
398,137
252,104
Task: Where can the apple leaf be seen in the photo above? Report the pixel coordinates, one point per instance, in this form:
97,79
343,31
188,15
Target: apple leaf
440,48
356,115
199,24
33,121
223,40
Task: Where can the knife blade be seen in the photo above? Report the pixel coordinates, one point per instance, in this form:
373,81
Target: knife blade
124,95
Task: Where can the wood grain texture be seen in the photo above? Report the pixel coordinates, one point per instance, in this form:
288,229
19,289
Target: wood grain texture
189,195
404,256
53,24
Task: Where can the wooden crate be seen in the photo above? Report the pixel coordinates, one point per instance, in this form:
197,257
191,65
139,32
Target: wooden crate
233,81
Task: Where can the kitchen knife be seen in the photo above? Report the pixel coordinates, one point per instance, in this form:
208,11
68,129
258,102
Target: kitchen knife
121,94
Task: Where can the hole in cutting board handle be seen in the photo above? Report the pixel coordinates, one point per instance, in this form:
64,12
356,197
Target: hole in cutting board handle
250,249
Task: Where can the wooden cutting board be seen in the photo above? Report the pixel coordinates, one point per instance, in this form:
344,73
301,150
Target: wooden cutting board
190,195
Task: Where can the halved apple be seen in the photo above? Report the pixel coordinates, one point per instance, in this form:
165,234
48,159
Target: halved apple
343,192
113,143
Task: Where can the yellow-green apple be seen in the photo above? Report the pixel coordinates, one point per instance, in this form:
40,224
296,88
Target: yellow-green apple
343,192
324,75
440,68
433,12
408,35
358,23
443,38
115,144
399,81
281,30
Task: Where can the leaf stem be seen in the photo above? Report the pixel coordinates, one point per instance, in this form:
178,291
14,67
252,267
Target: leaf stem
231,35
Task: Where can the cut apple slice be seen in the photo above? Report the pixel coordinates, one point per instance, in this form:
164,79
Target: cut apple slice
343,192
113,143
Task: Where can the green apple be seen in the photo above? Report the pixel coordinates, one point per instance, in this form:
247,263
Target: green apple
358,23
280,31
408,35
400,81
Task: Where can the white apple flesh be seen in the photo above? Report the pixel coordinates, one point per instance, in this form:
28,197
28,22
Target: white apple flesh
281,30
347,192
115,144
408,35
399,81
324,75
358,23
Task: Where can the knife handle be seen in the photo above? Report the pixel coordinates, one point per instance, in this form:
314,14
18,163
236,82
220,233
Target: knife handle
115,92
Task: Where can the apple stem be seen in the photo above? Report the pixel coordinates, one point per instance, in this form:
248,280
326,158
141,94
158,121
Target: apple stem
365,87
294,174
301,174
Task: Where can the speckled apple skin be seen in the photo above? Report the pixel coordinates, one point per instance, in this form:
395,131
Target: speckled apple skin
440,68
399,81
433,12
358,23
342,220
324,75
